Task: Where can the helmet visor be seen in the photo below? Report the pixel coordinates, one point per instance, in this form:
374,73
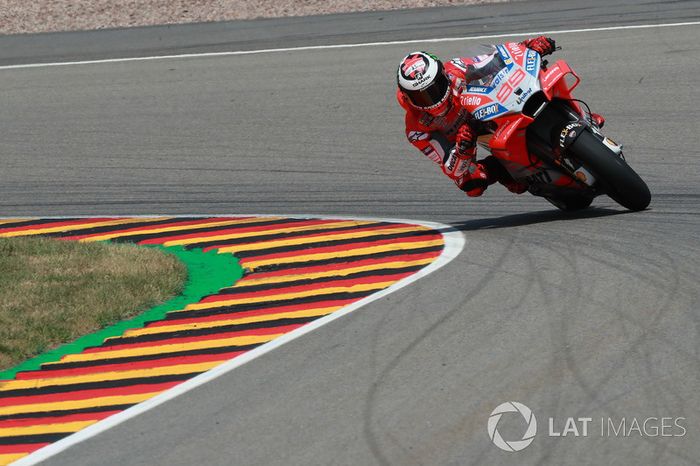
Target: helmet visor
431,95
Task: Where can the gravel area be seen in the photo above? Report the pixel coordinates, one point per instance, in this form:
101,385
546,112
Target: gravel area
29,16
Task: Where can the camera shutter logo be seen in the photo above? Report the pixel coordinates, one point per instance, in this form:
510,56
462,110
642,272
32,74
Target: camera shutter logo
528,436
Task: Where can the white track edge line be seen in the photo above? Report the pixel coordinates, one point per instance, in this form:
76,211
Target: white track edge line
344,46
454,243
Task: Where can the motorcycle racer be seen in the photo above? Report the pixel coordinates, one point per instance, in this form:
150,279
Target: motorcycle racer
438,126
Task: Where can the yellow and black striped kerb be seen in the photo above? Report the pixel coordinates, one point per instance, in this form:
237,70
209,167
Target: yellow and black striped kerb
296,270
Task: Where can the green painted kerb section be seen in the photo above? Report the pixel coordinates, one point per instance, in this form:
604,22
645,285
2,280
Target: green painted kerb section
207,273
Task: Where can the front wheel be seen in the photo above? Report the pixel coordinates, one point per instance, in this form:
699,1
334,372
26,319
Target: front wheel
617,178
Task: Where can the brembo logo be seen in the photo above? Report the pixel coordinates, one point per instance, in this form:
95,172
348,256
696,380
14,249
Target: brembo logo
512,445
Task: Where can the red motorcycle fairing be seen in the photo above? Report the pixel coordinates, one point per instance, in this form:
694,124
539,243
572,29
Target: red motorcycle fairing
542,136
509,142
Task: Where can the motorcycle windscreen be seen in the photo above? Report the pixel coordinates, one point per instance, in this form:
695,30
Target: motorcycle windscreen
482,72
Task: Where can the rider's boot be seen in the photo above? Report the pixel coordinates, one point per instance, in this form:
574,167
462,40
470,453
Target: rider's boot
496,172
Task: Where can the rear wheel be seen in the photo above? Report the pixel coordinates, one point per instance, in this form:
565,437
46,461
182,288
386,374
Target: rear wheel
617,178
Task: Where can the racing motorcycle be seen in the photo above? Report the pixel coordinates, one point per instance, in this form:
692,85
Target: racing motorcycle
545,138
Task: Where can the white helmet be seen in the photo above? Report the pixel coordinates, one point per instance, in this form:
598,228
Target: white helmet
421,78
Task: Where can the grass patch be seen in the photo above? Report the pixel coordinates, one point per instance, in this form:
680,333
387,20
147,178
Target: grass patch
52,292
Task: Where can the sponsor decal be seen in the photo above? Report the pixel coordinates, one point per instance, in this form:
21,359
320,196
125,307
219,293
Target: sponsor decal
450,164
456,167
470,100
414,136
516,49
464,166
414,66
531,62
500,77
507,88
478,89
503,52
451,161
524,96
567,134
500,130
418,82
488,111
552,77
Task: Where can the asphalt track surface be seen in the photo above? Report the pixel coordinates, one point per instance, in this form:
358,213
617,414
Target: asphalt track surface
589,315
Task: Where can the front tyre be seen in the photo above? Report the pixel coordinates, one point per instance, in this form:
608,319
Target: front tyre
617,178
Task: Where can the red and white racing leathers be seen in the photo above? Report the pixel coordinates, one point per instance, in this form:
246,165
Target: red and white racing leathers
435,137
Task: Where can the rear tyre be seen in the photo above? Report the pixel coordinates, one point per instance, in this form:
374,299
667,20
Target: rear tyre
617,178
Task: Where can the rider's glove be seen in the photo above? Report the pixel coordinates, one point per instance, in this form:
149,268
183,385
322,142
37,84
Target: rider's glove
465,145
541,44
474,181
460,165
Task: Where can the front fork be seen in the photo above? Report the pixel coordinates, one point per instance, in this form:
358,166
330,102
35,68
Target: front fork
609,143
554,131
